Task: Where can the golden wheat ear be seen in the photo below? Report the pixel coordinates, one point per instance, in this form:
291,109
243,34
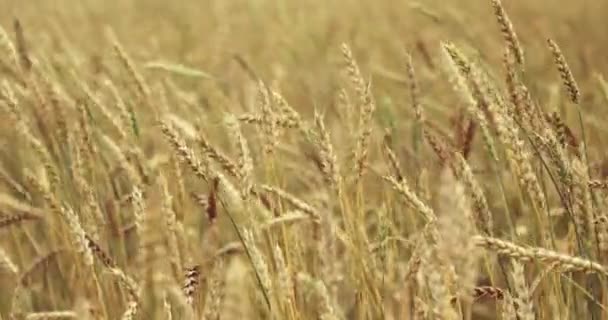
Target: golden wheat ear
565,72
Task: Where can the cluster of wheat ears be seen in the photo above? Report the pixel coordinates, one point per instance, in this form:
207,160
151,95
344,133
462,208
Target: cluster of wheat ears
122,199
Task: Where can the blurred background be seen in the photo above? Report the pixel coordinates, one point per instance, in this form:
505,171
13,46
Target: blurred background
298,41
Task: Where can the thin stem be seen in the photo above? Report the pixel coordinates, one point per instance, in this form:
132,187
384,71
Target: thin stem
242,240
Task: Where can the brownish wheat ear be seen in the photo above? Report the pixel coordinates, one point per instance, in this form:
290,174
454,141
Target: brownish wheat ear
191,283
17,218
598,184
488,292
99,253
485,292
22,51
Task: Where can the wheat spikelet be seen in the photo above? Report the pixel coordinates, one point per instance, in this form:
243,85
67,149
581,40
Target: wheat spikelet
186,154
294,201
512,83
130,311
124,58
354,74
565,262
244,160
392,159
10,219
368,106
139,209
178,175
582,201
525,310
51,315
414,89
404,190
507,131
328,157
171,223
485,292
229,193
191,283
488,292
69,217
12,104
286,120
459,71
288,116
557,155
601,227
128,283
78,235
250,118
443,150
432,278
60,102
466,136
214,154
458,264
98,252
344,108
483,216
508,309
563,133
287,218
325,306
508,32
125,113
269,116
94,216
45,158
48,197
564,72
524,110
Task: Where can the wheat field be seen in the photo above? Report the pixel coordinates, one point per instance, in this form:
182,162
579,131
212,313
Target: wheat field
344,159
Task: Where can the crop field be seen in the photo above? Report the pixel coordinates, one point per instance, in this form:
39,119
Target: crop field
317,159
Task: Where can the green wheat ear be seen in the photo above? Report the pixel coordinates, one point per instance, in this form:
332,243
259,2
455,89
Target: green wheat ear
385,116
